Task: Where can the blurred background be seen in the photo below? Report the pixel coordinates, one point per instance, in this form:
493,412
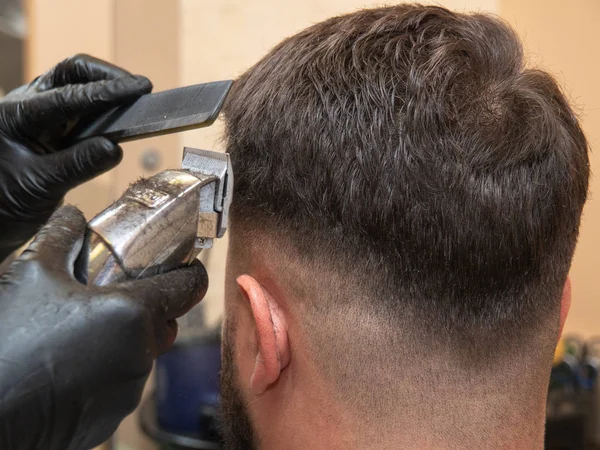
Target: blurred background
183,42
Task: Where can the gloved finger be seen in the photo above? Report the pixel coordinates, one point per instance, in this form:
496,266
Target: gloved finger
169,295
79,69
77,100
59,242
166,297
66,169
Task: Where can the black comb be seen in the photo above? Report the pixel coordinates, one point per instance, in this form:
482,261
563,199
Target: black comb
156,114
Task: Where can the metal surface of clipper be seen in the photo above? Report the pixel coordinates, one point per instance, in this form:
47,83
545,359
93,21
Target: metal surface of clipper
162,221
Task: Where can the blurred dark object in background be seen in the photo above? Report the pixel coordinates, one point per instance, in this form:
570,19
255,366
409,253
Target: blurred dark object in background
573,402
12,45
182,413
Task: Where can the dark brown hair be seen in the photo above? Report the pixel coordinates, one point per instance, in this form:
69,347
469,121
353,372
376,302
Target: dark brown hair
409,145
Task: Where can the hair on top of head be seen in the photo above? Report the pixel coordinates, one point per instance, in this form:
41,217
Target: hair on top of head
411,145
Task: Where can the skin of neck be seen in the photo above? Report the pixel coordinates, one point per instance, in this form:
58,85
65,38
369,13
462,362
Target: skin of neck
304,410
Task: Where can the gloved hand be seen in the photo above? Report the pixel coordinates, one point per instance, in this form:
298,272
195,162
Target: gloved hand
74,358
35,171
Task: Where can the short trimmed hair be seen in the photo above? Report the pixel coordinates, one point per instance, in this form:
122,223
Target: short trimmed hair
410,146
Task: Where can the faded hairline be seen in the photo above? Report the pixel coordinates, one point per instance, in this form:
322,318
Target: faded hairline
367,356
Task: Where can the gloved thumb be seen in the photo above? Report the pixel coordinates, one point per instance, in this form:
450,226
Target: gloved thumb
66,169
170,295
166,297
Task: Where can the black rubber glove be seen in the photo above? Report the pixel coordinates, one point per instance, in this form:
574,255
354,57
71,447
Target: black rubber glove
74,358
35,170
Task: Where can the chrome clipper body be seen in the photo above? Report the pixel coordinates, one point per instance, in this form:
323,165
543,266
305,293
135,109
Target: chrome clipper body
162,221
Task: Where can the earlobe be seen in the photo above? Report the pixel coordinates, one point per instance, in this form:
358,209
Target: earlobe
565,305
273,353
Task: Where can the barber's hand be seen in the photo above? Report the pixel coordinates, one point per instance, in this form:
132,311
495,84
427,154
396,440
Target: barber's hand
74,358
35,170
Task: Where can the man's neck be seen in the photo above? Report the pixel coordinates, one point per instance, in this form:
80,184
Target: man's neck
432,403
497,421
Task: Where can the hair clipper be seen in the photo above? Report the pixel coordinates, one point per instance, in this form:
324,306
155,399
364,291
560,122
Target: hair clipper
161,222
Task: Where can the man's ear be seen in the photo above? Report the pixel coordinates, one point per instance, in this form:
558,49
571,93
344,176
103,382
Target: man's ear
565,305
273,351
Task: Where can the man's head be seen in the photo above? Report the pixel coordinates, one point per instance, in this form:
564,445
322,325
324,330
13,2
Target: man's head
406,207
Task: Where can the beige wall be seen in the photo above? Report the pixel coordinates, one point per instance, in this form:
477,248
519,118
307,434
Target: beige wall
563,38
51,40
